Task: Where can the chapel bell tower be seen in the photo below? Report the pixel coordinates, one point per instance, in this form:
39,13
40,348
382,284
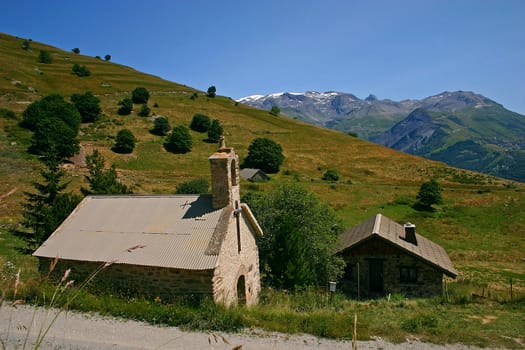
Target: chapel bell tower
224,164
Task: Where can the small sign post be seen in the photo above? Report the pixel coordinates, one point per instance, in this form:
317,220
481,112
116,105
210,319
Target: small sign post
331,288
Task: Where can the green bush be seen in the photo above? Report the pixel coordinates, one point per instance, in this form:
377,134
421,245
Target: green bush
200,123
140,95
331,175
161,126
429,194
264,154
215,131
45,57
144,110
179,141
124,142
126,106
81,71
88,105
7,114
212,90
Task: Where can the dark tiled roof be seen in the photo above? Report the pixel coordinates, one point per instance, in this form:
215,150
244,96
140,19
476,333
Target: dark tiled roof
390,231
249,173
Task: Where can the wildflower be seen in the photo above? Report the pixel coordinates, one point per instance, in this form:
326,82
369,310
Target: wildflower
69,283
53,264
109,263
66,275
17,282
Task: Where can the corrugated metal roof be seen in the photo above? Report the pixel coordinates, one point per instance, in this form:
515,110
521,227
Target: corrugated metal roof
393,232
166,231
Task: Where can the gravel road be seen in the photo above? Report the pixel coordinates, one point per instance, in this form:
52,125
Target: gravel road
73,330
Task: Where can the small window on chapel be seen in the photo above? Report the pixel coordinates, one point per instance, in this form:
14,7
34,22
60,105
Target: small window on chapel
238,226
408,274
233,170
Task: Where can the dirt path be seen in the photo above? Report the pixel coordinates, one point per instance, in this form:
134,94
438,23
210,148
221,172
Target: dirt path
82,331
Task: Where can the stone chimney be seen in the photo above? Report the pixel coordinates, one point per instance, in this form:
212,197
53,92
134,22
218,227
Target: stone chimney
410,233
224,164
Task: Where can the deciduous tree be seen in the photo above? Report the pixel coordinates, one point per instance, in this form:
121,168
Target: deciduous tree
264,154
88,105
429,194
215,131
55,125
300,237
212,90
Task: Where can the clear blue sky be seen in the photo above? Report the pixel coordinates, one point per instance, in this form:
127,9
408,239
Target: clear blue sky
394,49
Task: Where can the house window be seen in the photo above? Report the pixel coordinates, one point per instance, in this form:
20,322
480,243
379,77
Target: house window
408,274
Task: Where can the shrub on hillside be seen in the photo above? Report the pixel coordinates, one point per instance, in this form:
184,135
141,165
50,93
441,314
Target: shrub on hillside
88,105
212,90
429,194
140,95
55,124
179,140
331,175
26,45
161,126
124,142
264,154
144,110
81,71
200,123
215,131
45,57
126,106
7,114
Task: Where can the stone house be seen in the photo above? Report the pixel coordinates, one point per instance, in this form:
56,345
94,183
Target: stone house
254,174
165,245
385,257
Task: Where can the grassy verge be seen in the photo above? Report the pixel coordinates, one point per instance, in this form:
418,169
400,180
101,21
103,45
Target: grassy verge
458,317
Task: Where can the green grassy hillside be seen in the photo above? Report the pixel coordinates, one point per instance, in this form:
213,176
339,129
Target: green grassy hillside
481,222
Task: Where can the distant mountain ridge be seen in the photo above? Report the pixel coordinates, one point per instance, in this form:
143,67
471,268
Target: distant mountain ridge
460,128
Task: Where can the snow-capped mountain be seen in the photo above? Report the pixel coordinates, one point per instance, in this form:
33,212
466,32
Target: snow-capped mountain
463,129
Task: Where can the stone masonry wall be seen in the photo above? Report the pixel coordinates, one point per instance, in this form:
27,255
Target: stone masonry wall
147,281
428,283
232,264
